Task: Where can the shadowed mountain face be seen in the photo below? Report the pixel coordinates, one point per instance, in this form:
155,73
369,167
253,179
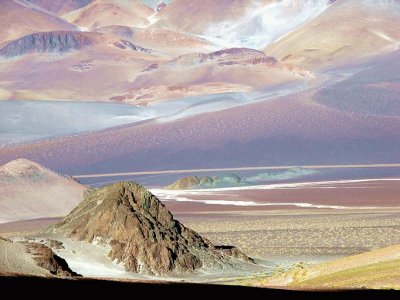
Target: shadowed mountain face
141,233
51,42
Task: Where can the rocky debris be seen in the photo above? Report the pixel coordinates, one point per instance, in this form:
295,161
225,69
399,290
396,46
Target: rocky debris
141,233
47,259
123,44
53,244
235,252
58,42
160,6
83,66
189,60
232,56
151,67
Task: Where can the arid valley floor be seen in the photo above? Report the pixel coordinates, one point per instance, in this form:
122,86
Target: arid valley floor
338,219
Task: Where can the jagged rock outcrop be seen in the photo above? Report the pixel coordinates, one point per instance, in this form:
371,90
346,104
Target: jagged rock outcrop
141,233
58,42
47,259
160,6
230,56
123,44
206,182
184,183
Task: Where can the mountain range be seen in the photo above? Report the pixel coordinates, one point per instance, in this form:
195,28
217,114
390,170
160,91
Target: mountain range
91,42
248,83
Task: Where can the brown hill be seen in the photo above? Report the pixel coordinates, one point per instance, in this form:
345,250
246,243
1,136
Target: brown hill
54,42
142,234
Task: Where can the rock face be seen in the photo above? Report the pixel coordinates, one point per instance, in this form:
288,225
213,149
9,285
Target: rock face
58,42
47,259
141,233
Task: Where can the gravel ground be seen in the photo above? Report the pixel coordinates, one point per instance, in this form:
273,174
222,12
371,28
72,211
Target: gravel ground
13,259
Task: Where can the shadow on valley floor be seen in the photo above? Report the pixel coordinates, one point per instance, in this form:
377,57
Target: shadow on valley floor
54,286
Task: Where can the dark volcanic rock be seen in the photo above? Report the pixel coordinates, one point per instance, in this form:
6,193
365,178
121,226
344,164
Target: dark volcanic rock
160,6
47,259
55,244
53,42
142,233
123,44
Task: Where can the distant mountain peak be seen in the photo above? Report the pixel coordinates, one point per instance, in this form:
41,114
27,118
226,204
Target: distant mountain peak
21,169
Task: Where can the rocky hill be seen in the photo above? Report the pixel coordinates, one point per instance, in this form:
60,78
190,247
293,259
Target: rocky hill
207,182
142,234
233,180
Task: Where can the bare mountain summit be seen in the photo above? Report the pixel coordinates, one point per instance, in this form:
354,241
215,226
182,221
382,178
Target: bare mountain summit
142,234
